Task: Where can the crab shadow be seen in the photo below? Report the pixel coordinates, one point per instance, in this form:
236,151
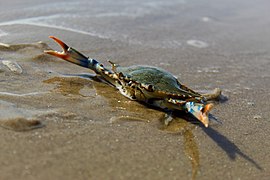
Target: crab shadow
228,146
231,149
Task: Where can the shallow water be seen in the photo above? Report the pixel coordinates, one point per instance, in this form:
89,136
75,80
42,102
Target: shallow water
74,119
139,22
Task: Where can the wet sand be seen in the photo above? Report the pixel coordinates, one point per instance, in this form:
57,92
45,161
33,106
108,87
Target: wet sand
59,122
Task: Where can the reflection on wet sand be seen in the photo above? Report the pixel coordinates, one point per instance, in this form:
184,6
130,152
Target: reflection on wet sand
17,119
69,86
192,152
183,127
21,124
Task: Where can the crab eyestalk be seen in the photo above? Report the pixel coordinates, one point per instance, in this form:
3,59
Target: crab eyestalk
71,55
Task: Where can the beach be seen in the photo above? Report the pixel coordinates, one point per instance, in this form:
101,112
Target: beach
58,121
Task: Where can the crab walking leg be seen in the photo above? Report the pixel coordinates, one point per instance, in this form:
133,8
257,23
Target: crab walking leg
213,96
72,55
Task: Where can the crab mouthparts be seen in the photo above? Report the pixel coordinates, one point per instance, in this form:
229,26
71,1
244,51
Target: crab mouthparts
62,54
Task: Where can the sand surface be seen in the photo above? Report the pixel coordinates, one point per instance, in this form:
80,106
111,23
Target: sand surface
59,122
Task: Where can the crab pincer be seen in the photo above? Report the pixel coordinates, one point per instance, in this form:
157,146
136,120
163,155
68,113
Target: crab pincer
68,54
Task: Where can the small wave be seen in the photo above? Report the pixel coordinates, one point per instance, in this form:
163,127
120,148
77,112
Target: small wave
21,95
44,21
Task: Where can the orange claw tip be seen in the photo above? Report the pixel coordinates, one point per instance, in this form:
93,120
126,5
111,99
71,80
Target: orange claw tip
204,116
204,119
56,54
54,38
61,43
207,108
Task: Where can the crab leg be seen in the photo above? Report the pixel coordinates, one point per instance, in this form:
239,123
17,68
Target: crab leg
72,55
200,111
215,95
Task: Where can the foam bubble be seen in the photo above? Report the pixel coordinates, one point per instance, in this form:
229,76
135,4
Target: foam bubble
206,19
197,43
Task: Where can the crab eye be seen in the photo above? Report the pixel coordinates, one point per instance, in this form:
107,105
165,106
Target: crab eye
150,88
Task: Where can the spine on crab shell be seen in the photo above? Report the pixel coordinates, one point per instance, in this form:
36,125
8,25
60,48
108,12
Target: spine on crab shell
200,111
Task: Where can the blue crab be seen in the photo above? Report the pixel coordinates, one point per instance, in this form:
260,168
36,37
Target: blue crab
151,85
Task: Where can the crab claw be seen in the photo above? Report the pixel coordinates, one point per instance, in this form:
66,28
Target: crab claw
68,54
62,55
200,111
204,114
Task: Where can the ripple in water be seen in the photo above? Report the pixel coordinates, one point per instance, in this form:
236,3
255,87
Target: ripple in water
13,66
2,33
